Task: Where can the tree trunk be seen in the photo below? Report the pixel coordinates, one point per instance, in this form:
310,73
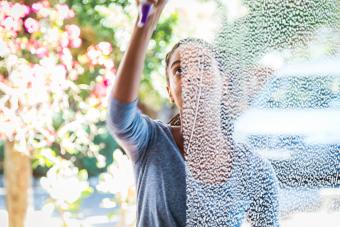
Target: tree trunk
18,174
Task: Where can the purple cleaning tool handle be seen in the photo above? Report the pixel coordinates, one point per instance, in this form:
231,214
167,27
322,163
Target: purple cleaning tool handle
145,11
146,8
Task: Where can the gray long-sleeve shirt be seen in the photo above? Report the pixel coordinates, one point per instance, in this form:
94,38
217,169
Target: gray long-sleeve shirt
161,179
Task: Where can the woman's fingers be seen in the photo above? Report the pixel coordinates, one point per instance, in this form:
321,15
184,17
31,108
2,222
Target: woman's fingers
154,2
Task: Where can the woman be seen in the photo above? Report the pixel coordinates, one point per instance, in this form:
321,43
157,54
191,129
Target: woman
157,149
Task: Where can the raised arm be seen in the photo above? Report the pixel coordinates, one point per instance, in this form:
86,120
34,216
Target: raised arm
131,129
125,87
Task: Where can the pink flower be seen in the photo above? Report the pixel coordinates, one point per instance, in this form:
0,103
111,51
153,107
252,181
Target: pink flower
37,6
41,8
100,90
31,25
93,54
10,24
5,8
106,82
97,55
64,41
7,22
73,31
42,52
104,47
64,11
19,10
75,43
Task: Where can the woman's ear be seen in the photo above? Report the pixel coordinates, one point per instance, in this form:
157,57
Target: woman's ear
170,95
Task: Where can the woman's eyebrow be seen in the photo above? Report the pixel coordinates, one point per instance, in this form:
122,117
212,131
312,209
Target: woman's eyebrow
175,62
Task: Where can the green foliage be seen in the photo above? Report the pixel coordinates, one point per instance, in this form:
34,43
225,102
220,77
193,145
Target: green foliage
90,163
162,37
88,16
97,29
155,61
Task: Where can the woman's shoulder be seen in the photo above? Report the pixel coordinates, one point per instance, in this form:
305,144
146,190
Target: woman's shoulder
160,128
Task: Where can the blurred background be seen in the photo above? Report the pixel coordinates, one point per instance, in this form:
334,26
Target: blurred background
60,166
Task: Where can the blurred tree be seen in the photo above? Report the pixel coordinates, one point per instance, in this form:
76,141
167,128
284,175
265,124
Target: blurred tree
48,62
47,113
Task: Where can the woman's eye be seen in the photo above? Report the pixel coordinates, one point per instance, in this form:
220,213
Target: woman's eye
178,71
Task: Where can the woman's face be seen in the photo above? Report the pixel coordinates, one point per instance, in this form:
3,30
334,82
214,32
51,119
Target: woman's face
201,57
174,71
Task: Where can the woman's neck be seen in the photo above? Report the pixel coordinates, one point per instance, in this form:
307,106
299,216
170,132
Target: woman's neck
178,136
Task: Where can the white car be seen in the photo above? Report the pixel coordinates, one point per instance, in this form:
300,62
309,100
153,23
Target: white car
295,123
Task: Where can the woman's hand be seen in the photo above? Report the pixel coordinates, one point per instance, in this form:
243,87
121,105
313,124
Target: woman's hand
153,18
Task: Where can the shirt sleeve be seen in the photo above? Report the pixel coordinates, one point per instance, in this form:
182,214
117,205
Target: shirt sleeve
264,207
131,129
